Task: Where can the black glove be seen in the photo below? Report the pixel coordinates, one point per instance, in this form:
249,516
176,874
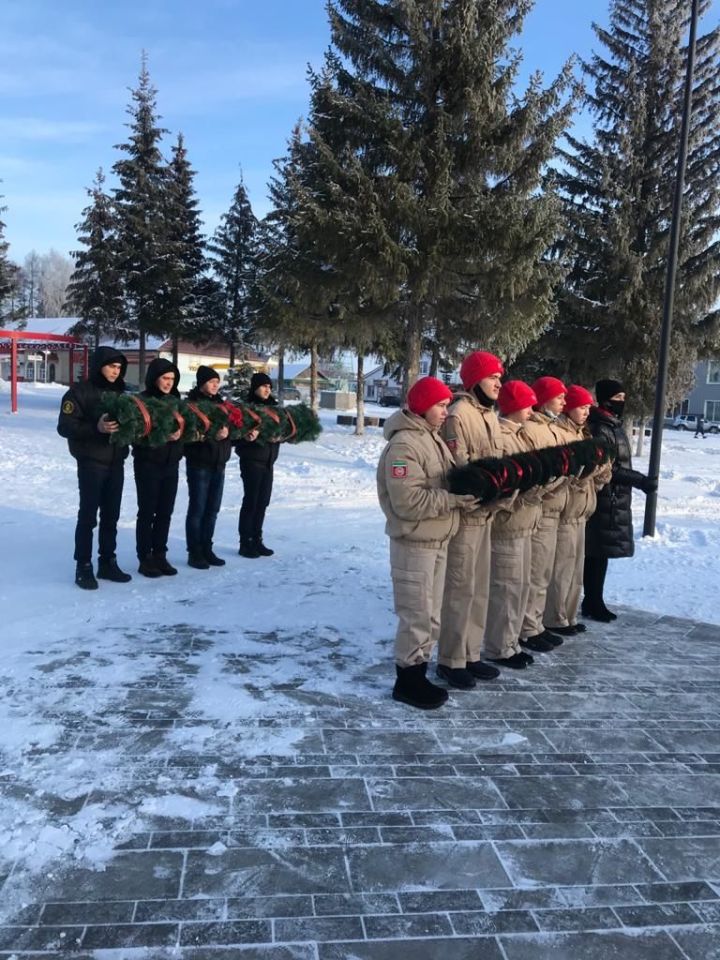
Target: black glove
649,485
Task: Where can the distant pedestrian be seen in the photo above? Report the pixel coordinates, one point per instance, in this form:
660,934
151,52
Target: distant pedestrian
422,516
156,478
100,466
700,426
256,469
609,532
205,466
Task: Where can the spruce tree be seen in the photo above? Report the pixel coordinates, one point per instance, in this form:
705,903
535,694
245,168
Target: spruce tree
5,265
422,172
144,258
95,289
233,249
186,266
617,190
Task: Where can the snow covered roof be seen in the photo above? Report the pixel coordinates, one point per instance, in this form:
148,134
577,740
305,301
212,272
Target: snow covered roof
57,325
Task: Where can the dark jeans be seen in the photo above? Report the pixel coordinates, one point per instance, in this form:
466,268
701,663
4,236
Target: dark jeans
205,491
594,581
156,486
101,490
257,481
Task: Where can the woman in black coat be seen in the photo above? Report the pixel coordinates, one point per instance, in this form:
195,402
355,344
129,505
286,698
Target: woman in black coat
609,531
256,469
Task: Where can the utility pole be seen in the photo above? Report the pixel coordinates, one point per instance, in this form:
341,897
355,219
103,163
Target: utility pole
666,331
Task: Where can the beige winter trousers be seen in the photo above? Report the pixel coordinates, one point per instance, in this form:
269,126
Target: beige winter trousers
467,584
418,577
563,594
509,588
542,562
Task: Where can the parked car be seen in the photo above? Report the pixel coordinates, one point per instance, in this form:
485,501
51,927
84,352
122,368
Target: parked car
291,395
688,421
390,400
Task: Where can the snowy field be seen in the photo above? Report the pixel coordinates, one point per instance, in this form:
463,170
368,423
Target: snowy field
327,587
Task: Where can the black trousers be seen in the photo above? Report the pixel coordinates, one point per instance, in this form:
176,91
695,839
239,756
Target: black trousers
257,481
101,490
594,574
156,486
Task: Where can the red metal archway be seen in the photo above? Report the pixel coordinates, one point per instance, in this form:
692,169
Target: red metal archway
18,338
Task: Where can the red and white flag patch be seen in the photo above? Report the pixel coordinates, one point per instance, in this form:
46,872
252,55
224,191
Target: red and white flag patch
399,469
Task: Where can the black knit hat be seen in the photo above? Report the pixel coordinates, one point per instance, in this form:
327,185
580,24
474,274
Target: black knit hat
206,373
259,380
604,389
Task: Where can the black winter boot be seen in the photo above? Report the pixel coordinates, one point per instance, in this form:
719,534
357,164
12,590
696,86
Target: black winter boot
149,568
197,560
109,570
165,568
518,661
248,548
481,671
537,644
569,631
457,677
597,612
413,687
213,559
84,577
262,549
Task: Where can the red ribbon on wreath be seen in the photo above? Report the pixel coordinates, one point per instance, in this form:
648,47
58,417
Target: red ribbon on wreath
180,420
200,415
293,427
145,414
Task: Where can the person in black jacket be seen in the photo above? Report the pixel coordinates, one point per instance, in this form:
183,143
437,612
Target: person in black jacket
205,465
256,469
100,466
156,478
609,531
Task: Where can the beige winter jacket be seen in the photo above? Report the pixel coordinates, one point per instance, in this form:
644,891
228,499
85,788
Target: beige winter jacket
520,517
472,432
543,431
411,482
582,491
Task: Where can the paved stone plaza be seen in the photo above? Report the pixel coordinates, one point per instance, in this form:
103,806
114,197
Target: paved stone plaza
570,810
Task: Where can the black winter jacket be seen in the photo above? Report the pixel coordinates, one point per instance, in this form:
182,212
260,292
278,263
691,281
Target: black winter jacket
80,411
207,454
250,451
172,451
609,531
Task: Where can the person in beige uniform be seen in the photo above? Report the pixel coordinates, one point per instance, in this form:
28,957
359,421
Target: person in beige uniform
512,530
563,596
543,430
422,516
471,432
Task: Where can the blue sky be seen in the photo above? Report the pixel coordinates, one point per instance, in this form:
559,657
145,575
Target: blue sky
231,75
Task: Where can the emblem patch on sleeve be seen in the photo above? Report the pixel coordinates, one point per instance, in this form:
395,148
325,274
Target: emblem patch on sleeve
68,406
399,469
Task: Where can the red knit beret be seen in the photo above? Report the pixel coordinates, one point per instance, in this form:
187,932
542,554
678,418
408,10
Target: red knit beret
547,388
425,393
516,395
477,366
577,396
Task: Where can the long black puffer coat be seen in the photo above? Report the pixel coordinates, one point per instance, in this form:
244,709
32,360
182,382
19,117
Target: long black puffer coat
609,531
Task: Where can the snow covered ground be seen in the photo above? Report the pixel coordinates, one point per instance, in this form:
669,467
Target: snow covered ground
327,588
